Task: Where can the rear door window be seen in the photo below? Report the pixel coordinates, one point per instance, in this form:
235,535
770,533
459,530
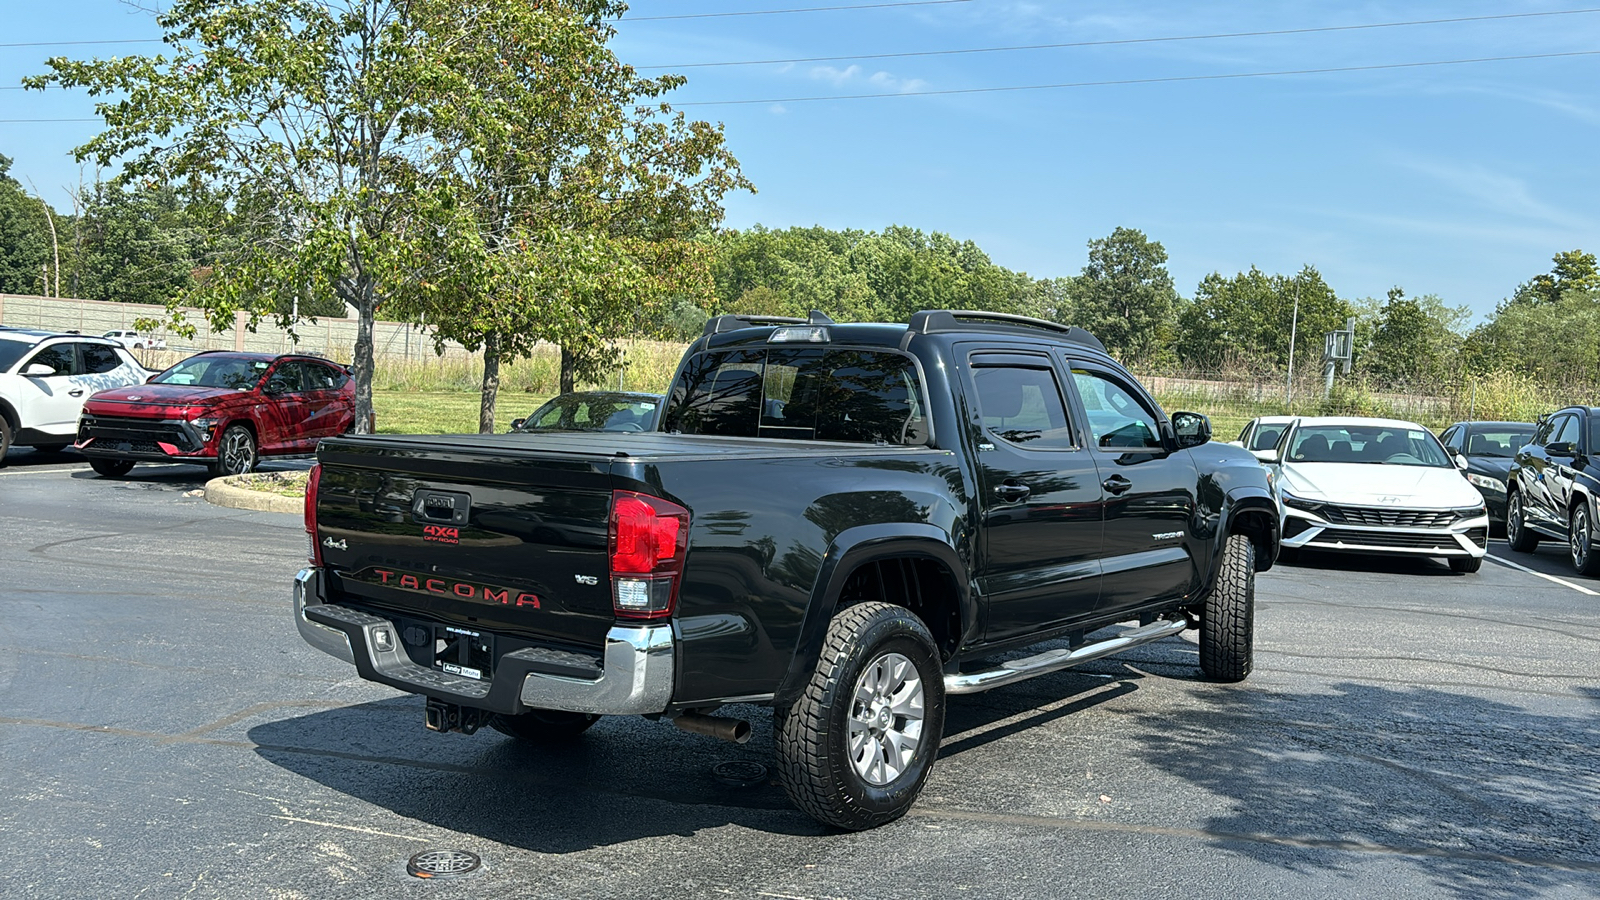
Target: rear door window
99,358
1022,405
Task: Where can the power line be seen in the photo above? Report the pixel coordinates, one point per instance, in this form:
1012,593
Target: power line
774,12
1081,84
1108,43
1126,81
80,43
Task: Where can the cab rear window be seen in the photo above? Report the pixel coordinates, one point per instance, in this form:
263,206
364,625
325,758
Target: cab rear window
807,394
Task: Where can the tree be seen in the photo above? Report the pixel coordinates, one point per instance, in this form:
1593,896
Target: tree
25,252
1248,319
1573,270
1125,296
572,195
293,122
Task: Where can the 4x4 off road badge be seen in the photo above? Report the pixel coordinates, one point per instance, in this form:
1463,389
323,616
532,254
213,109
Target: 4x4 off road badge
441,534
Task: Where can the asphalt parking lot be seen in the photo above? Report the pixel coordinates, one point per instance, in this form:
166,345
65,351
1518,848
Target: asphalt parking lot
165,733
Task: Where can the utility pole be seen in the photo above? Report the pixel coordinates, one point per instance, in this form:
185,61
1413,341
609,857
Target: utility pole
1294,325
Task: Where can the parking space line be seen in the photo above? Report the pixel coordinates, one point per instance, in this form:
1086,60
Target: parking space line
1561,581
43,471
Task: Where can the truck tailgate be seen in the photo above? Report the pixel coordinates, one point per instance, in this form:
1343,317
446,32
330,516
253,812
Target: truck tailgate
512,543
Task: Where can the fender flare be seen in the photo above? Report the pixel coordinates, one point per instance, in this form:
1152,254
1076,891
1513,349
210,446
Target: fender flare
851,549
1241,502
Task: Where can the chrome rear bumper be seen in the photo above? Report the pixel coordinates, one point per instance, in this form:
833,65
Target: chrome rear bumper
636,676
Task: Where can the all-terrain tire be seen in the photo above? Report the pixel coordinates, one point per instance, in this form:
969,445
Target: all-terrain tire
1518,535
1227,624
544,726
877,659
111,468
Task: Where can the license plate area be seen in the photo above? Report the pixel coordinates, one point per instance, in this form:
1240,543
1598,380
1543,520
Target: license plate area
463,652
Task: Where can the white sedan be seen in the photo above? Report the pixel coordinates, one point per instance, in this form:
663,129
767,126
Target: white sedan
1382,486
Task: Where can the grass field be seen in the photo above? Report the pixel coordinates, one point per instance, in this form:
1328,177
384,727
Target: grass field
446,412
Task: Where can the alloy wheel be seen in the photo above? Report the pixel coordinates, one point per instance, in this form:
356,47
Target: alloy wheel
1578,539
886,718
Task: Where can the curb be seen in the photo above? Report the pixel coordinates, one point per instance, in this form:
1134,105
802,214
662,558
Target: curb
222,492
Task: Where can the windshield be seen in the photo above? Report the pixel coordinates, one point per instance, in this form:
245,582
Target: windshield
215,371
10,352
1408,445
1498,442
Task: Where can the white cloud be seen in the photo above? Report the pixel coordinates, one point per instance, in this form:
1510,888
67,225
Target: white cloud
836,77
883,82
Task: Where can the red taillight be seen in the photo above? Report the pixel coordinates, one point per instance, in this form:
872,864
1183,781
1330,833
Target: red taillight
312,482
649,540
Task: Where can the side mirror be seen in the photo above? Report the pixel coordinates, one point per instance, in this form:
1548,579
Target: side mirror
1239,444
1192,428
516,424
38,370
1461,462
1269,455
1561,448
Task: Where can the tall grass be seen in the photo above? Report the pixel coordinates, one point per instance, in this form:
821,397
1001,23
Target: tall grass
643,366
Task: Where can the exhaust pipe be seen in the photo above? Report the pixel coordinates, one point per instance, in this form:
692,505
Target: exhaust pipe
735,730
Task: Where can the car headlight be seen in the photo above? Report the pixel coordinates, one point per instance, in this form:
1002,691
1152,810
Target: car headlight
1487,482
206,426
1310,506
1471,512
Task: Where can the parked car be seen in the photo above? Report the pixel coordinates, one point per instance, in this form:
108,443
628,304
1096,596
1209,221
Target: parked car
594,411
1382,486
45,376
845,522
1552,485
133,340
220,409
1260,435
1489,448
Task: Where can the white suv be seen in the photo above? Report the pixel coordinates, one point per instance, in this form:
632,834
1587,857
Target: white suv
133,340
44,379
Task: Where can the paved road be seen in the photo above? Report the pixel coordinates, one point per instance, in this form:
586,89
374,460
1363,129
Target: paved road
165,733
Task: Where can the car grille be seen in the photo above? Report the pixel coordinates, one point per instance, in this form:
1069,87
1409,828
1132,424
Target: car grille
1479,536
1395,539
141,435
1388,518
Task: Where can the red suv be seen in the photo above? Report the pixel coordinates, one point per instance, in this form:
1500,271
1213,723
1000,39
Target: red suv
221,409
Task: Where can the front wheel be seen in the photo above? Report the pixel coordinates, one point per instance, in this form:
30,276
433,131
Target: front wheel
1227,624
1466,565
544,726
1518,537
1579,541
111,468
237,455
856,748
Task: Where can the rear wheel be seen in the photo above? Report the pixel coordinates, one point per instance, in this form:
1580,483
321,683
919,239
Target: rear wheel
1466,564
544,726
111,468
1227,625
1579,541
237,454
1518,536
856,748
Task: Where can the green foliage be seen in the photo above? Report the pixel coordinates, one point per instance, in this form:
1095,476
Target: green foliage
862,276
1413,340
1573,270
1125,296
25,250
1246,321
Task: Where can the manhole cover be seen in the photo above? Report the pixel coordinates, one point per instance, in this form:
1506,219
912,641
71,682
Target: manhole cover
443,863
739,773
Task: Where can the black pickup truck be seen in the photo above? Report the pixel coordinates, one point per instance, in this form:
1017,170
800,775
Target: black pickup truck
845,522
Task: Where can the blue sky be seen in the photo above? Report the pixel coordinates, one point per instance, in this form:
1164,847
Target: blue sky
1457,180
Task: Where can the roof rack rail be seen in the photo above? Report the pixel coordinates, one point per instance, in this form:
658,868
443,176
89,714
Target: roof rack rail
931,321
733,322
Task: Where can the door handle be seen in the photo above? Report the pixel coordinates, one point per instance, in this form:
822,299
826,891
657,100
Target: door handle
75,393
1011,492
1117,484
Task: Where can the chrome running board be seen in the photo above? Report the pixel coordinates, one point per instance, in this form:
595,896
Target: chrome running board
1055,660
